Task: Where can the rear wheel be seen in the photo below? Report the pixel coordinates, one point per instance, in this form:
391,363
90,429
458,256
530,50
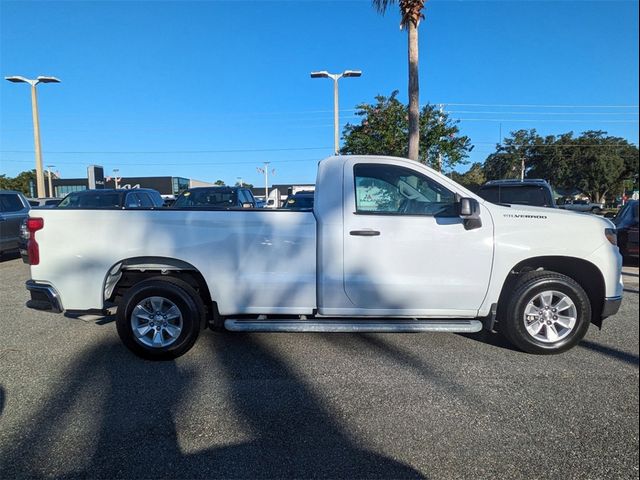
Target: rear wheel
546,313
160,319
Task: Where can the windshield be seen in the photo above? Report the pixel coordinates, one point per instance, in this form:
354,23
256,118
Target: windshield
519,195
92,200
206,198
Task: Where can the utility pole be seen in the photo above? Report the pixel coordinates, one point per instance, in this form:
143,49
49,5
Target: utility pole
50,182
522,168
440,121
240,182
36,125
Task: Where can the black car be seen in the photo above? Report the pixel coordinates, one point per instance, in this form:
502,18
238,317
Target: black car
627,227
14,209
533,192
111,198
300,201
215,197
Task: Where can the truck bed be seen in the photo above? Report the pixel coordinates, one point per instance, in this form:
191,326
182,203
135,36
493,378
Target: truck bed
256,261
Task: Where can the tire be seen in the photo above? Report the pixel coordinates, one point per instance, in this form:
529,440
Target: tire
167,315
531,294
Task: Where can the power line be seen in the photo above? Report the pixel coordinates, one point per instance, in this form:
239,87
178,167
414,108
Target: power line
531,105
159,152
539,120
541,113
316,159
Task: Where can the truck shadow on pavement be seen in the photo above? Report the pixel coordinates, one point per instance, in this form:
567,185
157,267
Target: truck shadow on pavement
615,353
134,404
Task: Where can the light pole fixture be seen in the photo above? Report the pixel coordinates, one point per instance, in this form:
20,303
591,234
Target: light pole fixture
116,179
335,77
36,124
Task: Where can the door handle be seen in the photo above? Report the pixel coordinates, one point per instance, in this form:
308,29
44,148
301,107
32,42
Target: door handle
364,233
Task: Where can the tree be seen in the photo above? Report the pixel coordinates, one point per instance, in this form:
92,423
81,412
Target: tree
411,14
594,163
219,183
244,184
383,130
601,163
472,178
21,182
516,151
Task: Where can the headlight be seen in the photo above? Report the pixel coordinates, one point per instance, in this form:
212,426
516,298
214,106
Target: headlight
611,235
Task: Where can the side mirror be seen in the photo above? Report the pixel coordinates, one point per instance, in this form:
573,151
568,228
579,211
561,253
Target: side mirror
469,211
247,205
469,208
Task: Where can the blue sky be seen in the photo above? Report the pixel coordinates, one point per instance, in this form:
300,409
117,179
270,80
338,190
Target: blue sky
211,89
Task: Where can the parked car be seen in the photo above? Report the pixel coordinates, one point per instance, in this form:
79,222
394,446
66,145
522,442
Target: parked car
391,246
533,192
44,202
216,197
581,206
627,227
14,209
122,198
300,201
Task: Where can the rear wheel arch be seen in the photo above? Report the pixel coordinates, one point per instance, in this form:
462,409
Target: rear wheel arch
585,273
128,272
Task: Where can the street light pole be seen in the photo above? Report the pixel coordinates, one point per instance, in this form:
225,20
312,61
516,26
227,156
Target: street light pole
335,77
265,170
36,124
49,167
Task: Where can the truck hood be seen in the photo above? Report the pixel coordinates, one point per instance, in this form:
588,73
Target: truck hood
560,215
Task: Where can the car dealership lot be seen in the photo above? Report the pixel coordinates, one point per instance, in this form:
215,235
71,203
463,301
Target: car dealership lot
75,402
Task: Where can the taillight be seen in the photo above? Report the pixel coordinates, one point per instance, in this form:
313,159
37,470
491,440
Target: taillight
33,250
612,235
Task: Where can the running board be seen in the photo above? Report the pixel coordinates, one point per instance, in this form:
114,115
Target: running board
351,325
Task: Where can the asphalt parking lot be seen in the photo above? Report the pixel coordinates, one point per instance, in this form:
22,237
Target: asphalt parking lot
75,403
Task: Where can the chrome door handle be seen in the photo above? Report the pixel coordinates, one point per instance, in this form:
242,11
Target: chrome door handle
364,233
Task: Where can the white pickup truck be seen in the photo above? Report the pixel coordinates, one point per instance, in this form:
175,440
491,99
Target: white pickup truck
390,246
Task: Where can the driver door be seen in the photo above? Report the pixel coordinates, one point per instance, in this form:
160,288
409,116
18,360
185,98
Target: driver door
406,250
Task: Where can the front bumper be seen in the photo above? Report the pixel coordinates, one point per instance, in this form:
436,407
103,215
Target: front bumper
611,306
43,297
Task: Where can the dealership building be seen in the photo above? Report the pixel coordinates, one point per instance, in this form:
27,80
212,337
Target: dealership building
164,185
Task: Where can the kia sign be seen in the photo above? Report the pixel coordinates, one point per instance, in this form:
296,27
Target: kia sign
95,175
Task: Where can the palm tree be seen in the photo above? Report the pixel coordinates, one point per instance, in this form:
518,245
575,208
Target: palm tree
411,12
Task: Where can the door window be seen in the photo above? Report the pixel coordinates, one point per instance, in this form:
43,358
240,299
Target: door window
393,190
132,200
144,200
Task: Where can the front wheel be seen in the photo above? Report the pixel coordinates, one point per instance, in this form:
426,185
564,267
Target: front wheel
160,319
546,313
